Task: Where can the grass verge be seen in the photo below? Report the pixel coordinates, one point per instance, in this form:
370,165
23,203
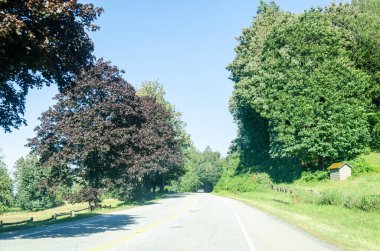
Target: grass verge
40,217
349,229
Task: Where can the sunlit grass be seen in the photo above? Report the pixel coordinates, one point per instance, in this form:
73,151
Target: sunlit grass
349,229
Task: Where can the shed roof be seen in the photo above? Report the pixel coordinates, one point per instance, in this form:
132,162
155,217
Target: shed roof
337,165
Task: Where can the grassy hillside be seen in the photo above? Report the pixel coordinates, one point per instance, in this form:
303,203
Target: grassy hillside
325,208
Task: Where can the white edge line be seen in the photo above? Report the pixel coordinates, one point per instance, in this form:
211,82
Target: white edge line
245,234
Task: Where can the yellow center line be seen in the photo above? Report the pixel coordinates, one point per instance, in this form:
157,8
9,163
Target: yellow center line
142,229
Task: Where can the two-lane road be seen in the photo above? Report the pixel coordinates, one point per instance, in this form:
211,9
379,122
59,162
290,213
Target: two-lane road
178,222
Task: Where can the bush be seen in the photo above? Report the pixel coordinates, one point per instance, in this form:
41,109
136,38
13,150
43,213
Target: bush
330,197
236,183
360,166
313,176
368,203
262,178
90,195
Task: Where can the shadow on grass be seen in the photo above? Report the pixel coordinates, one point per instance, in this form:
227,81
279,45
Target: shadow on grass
281,201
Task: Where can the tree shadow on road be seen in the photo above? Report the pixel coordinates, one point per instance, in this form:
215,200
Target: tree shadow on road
80,228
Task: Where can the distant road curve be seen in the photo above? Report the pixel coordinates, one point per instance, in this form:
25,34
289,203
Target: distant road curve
179,222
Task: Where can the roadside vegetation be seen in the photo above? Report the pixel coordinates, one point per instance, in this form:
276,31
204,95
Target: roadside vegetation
325,208
203,170
306,94
43,217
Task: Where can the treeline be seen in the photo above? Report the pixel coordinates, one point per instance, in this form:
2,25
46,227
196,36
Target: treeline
101,135
307,87
203,170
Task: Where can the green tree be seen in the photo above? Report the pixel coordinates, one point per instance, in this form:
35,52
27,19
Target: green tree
6,195
297,75
306,69
33,190
203,170
41,42
253,129
361,23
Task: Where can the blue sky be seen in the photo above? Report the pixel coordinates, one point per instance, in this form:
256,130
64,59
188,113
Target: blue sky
185,44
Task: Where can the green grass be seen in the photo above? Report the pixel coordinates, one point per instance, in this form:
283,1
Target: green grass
347,228
364,184
351,220
373,159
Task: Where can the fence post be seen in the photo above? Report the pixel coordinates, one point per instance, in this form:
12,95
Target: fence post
1,223
72,213
31,219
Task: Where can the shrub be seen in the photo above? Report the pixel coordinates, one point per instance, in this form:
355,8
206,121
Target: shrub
90,195
313,176
236,183
360,166
262,178
368,203
330,197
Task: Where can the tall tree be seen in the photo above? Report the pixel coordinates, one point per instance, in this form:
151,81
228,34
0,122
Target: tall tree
159,154
6,195
156,90
41,42
33,191
307,66
101,132
253,128
297,73
361,23
93,130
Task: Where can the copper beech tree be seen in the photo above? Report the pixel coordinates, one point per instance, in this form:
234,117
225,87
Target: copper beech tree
41,42
103,134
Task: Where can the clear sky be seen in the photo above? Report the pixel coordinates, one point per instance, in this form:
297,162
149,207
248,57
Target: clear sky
185,44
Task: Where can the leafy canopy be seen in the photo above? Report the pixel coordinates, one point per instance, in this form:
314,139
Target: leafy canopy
102,134
298,93
41,42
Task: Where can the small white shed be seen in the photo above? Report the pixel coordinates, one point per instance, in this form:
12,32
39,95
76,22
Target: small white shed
340,171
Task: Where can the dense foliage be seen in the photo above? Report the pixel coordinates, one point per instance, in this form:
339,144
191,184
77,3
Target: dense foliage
232,181
156,90
301,91
103,135
159,159
203,170
41,42
33,190
6,195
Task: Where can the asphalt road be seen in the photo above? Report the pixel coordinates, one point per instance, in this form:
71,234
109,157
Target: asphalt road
178,222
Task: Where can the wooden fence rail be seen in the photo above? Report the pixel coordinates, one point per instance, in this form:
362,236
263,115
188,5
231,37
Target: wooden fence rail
53,217
281,189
